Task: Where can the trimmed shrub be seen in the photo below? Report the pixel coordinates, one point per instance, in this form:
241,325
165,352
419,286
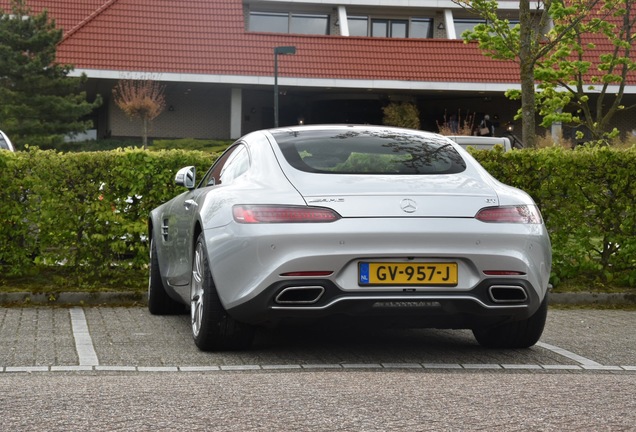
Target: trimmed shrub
85,214
84,211
401,114
210,146
587,197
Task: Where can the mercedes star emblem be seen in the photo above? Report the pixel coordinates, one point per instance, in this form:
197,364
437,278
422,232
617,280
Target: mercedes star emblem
408,205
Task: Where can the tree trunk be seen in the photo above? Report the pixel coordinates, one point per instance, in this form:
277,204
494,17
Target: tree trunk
526,75
144,138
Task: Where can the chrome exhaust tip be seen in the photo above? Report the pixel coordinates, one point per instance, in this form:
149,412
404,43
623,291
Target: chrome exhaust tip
300,295
507,294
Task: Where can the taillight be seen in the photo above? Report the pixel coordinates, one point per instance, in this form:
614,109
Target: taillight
250,214
526,214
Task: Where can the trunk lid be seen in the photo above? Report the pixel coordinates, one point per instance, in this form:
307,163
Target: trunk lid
455,195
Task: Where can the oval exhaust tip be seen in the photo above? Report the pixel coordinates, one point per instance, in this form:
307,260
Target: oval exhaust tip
300,295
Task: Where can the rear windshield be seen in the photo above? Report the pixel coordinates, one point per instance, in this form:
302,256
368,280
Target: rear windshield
368,151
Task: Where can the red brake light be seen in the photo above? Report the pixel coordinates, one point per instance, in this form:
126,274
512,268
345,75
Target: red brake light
308,273
249,214
526,214
503,273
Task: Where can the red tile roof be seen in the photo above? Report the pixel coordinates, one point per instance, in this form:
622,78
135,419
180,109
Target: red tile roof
67,13
208,37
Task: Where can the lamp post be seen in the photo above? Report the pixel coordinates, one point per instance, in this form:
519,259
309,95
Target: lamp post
284,50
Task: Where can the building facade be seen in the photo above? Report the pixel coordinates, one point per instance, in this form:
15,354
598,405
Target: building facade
351,58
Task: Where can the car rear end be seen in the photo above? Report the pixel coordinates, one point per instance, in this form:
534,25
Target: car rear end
398,225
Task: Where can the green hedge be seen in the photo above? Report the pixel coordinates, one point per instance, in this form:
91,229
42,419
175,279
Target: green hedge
587,198
83,215
208,146
204,145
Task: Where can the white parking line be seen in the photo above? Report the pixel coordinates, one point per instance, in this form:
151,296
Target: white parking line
88,361
83,342
315,367
584,361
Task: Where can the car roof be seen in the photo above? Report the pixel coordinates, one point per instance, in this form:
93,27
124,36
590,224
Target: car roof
355,127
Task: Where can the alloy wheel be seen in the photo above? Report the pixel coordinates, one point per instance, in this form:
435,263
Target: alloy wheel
150,255
196,290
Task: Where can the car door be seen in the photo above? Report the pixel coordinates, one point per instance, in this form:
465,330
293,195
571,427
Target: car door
184,212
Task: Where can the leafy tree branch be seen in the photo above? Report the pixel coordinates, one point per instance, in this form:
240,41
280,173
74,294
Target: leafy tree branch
143,99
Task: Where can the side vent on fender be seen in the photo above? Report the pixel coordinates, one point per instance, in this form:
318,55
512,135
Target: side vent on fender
164,230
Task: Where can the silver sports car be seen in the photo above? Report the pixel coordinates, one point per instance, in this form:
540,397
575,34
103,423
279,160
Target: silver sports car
367,223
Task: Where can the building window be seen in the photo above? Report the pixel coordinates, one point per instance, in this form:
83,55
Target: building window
309,24
276,22
461,25
395,28
379,28
389,28
269,22
399,29
358,25
421,28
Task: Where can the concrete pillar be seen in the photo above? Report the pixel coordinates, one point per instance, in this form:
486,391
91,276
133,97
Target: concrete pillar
342,18
236,113
556,131
450,24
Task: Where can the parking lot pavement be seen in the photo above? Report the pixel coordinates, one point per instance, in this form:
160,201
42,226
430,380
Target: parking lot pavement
36,336
130,339
607,336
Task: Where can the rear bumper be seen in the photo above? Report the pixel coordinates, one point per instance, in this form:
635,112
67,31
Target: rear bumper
491,302
249,263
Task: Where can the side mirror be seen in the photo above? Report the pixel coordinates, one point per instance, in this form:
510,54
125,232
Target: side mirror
186,177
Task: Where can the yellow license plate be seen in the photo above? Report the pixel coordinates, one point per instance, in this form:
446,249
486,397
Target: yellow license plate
416,273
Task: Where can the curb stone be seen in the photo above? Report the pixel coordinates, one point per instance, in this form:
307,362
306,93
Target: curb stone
132,298
573,298
73,298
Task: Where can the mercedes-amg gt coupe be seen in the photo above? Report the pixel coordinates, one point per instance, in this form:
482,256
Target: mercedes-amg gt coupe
366,223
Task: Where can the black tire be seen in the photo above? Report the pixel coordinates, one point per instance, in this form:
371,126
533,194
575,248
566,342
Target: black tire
159,302
517,334
213,329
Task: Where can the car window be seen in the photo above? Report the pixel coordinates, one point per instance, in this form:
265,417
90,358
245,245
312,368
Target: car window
236,164
231,164
370,151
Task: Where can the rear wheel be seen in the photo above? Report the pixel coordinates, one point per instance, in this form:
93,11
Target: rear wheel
159,302
517,334
212,327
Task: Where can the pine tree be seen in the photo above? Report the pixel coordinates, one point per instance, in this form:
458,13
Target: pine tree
39,102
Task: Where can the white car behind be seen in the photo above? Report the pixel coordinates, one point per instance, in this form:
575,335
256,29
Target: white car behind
481,143
5,142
